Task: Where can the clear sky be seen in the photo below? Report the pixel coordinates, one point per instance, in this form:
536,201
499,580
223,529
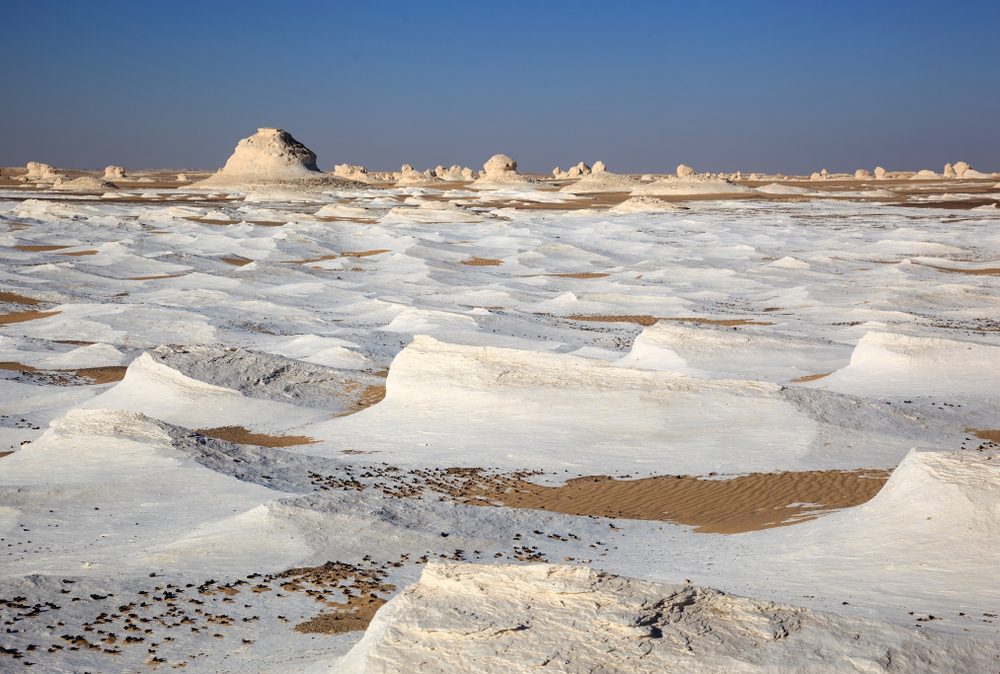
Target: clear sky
793,86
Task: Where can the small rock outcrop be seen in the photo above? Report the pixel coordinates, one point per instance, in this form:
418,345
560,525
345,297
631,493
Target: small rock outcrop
114,173
880,173
40,173
500,170
684,171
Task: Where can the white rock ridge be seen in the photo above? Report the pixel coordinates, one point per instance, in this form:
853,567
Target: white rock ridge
486,619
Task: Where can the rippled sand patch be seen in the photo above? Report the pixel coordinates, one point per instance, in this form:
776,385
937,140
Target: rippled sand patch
482,262
988,271
810,377
993,435
244,436
22,316
721,506
647,320
15,298
38,249
364,253
68,376
235,261
582,275
152,278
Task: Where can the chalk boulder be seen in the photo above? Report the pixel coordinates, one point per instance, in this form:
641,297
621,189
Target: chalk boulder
684,171
880,173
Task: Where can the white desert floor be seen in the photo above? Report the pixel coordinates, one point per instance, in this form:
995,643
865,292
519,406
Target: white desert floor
243,499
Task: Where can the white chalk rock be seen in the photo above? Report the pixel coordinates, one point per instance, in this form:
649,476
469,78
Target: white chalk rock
352,172
815,176
646,204
862,174
599,181
182,178
83,184
960,168
411,177
880,173
41,173
684,171
114,173
949,171
924,174
272,157
499,170
493,619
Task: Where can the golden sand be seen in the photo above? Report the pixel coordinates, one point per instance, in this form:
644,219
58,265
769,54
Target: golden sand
482,262
242,436
14,298
811,377
97,375
38,249
22,316
647,320
364,253
235,261
722,506
581,275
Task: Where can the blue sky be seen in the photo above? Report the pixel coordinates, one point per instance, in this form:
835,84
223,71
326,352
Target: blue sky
793,86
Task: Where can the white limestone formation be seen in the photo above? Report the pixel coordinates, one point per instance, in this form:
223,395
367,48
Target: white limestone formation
114,173
272,157
498,171
493,619
684,171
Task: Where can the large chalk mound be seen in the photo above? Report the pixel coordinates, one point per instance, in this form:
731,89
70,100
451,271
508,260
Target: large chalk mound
272,156
471,618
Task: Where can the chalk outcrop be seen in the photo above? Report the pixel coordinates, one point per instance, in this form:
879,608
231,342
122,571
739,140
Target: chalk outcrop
352,172
646,204
114,173
600,180
695,185
40,173
83,184
684,171
500,170
272,157
880,173
517,618
411,177
454,173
